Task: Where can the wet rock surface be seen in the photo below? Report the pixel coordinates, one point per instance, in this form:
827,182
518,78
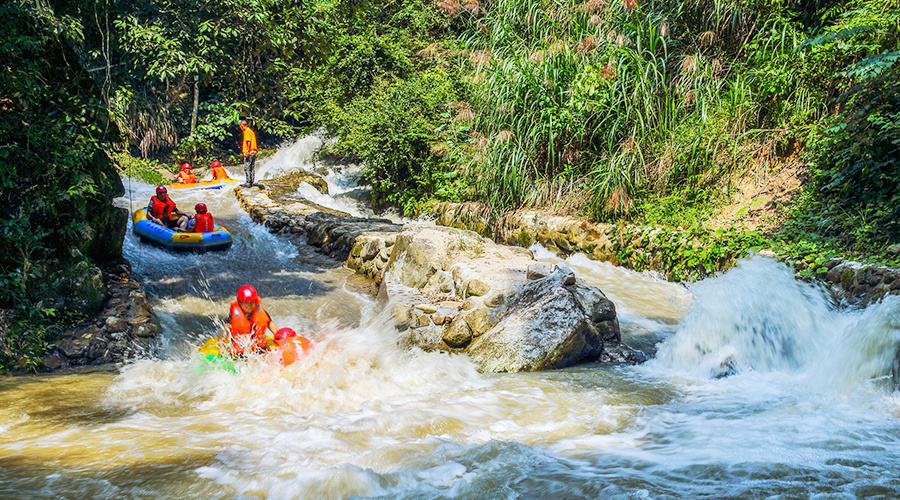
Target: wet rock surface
452,290
126,328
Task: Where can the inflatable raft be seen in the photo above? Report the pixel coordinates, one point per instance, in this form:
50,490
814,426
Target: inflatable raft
151,232
284,351
210,184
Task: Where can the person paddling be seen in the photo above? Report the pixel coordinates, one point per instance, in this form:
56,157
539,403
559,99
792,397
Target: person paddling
247,323
218,172
186,176
161,210
290,346
202,221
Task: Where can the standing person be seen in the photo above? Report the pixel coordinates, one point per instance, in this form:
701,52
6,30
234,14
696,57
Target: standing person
248,149
161,210
246,331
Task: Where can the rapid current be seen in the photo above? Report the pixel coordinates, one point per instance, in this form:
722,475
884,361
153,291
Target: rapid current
759,386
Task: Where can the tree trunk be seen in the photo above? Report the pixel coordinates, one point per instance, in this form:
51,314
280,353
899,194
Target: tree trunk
196,102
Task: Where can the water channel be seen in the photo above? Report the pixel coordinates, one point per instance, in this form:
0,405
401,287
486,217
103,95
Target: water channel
809,411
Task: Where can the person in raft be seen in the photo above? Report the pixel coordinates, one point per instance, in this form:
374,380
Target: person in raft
248,321
218,172
289,346
202,221
248,149
162,210
186,176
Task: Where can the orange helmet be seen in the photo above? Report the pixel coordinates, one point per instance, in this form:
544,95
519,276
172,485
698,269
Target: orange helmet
186,166
200,208
247,293
215,164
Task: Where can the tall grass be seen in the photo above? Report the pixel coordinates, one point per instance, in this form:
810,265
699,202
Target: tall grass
624,100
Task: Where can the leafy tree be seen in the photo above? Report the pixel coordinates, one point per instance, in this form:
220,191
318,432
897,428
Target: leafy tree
56,217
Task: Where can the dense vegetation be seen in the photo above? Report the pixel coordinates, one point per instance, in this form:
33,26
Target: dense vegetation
618,110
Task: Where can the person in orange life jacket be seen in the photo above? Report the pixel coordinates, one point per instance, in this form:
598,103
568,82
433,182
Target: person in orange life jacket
218,173
186,176
248,321
290,346
202,221
248,149
161,210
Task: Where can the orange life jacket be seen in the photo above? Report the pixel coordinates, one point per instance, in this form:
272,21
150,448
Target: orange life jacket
204,223
186,177
219,173
161,209
292,348
242,327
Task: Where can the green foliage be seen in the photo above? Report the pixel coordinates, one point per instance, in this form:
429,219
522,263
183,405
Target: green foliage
143,169
375,81
855,194
688,208
214,133
626,105
56,181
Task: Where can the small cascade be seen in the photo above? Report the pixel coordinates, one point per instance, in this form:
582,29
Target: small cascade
344,190
757,317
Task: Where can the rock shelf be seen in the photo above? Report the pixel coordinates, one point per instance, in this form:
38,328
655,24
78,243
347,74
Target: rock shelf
452,290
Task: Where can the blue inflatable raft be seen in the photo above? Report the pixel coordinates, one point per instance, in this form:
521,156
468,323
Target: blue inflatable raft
151,232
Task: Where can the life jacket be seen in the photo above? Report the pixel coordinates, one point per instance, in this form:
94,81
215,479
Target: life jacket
185,177
204,223
161,209
243,327
292,348
219,173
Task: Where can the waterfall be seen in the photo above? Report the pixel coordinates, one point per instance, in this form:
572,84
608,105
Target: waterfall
757,317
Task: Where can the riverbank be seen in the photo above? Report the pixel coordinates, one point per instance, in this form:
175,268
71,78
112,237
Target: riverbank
126,327
676,255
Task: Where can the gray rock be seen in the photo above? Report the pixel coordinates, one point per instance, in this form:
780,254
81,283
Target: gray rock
539,270
544,328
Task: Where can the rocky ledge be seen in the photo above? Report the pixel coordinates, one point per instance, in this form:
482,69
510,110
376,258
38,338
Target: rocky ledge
452,290
639,248
125,329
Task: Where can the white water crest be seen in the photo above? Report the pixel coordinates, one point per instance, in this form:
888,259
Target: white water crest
344,190
758,317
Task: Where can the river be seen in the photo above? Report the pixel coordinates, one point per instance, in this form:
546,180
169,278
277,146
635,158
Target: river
759,387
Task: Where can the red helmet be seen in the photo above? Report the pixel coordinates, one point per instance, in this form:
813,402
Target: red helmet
200,208
215,164
161,190
186,166
247,293
285,333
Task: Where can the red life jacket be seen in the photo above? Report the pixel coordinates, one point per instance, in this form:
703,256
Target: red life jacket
242,327
159,208
204,223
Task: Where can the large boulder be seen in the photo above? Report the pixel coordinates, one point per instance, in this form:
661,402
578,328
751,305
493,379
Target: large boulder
452,290
549,325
